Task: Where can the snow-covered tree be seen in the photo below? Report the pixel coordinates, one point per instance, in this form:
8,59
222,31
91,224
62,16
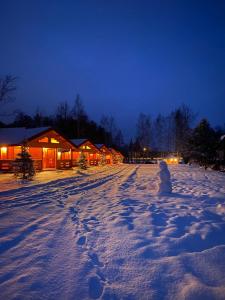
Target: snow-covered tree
23,165
102,161
83,161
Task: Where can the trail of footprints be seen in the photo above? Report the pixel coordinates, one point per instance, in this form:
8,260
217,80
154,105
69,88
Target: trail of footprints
96,283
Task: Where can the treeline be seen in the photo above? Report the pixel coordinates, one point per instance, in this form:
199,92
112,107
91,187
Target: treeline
176,133
73,122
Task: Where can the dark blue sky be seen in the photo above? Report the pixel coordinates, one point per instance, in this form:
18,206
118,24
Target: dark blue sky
123,57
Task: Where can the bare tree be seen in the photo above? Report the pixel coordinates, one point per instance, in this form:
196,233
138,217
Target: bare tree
144,130
62,111
183,118
79,114
7,88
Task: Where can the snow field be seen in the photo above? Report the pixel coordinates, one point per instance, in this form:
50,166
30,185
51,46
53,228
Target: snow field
107,234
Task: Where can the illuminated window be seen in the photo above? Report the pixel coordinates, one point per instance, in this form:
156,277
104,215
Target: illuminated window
54,141
3,152
66,155
75,155
36,153
86,147
43,140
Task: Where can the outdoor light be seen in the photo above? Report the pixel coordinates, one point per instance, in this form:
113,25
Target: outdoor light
59,154
3,150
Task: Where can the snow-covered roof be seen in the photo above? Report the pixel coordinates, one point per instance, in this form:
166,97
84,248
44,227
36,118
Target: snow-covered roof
15,136
99,145
78,142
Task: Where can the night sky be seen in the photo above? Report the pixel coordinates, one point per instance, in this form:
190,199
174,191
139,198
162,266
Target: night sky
122,57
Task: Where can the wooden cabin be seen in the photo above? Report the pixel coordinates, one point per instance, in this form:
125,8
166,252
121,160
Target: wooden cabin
106,152
117,157
91,152
48,149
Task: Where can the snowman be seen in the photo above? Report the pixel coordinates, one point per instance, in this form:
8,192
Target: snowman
164,186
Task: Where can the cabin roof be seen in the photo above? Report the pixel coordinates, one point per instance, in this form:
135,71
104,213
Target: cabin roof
79,142
116,151
99,145
16,136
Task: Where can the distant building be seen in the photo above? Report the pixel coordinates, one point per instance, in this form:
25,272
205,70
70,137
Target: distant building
105,151
91,152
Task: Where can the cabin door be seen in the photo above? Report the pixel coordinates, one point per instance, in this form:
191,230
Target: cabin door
49,158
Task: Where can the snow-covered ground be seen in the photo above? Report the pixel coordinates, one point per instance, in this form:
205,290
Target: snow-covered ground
107,234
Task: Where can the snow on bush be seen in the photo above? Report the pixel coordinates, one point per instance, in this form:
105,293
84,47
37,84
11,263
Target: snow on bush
165,185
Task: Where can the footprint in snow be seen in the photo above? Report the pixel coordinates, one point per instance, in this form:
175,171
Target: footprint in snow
95,287
159,219
81,241
90,223
60,203
95,260
73,212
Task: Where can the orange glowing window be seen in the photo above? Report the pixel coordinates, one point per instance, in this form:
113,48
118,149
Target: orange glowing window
75,155
66,155
10,153
54,141
43,140
36,153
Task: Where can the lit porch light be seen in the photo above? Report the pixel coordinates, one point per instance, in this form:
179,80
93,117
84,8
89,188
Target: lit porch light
3,150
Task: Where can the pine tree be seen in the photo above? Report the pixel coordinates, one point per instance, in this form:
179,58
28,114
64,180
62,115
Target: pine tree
203,144
82,161
23,165
102,161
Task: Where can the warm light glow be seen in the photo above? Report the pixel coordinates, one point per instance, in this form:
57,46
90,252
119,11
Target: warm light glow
59,154
86,147
43,140
144,149
54,141
3,153
4,150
